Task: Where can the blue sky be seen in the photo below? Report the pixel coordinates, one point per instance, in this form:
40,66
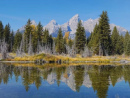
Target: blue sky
17,12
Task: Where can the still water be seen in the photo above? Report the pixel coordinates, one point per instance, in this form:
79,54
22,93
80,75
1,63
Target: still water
83,81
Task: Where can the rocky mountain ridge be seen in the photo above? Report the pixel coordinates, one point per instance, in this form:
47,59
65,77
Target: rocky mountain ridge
71,26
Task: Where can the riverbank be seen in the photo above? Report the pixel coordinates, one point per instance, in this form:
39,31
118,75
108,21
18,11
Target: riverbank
66,59
51,65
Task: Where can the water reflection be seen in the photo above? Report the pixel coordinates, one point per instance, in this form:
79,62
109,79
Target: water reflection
97,77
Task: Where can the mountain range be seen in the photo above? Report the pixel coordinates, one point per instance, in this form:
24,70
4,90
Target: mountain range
71,26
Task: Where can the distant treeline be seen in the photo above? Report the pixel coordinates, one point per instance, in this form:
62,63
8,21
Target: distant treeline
36,40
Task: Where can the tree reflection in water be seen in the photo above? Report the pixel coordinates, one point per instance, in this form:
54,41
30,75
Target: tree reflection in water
97,77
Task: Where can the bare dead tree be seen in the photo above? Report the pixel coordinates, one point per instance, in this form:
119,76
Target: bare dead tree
71,51
30,48
4,49
38,47
106,53
43,48
54,49
47,49
20,50
87,52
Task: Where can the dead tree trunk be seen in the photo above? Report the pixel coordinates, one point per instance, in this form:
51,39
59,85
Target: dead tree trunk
30,48
4,50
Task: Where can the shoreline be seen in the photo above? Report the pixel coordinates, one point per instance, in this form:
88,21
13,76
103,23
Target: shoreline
60,59
69,62
16,61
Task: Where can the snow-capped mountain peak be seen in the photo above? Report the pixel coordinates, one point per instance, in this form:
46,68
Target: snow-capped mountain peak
90,20
33,22
53,22
73,23
90,24
74,19
71,26
120,29
53,27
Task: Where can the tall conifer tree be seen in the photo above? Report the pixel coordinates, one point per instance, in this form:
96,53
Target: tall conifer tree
28,31
115,39
104,31
11,41
45,37
126,39
127,52
80,37
1,30
50,41
39,31
70,43
119,45
59,42
94,40
17,40
6,34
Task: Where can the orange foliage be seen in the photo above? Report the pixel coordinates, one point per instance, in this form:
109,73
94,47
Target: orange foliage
66,36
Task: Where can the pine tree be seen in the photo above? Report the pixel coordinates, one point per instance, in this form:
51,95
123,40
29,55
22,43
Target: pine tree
1,30
119,45
80,37
50,41
94,40
39,31
17,40
59,42
104,32
64,45
115,39
6,34
35,40
70,43
45,37
28,31
128,48
11,41
126,39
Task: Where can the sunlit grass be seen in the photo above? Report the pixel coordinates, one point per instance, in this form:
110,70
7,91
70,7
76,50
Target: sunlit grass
67,59
51,65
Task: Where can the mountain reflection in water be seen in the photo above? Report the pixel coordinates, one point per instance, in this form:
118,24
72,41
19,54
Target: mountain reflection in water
97,77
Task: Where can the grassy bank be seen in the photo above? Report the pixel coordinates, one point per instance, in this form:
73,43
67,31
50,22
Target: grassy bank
50,65
67,59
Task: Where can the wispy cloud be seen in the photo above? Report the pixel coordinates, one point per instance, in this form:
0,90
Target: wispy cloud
12,17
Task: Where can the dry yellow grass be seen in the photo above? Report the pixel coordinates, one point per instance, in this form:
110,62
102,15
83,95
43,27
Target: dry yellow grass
46,57
77,59
50,65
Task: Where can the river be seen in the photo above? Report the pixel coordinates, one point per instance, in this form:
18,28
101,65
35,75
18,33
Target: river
82,81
